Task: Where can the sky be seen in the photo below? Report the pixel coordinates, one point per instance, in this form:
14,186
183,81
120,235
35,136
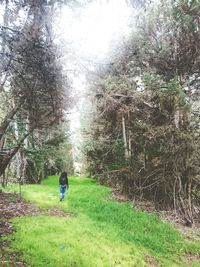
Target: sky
94,27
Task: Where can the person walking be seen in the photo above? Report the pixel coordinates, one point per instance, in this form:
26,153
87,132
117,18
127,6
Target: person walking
64,185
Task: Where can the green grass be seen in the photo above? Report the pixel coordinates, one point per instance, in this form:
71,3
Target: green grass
103,232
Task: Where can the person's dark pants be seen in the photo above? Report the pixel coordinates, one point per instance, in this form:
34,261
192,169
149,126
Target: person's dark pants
62,191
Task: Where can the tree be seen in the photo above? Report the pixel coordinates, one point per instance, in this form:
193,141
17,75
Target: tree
141,138
32,77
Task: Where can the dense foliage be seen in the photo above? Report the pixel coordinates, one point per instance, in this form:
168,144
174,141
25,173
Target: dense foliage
144,137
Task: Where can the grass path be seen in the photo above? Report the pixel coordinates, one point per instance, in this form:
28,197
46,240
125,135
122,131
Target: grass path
102,232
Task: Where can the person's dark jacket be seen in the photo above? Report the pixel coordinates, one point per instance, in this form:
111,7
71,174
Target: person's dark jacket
63,180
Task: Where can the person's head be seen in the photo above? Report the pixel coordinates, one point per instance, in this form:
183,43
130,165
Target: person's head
64,174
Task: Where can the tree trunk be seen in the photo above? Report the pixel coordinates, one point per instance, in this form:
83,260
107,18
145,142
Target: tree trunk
4,125
124,137
129,137
177,118
6,160
22,171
